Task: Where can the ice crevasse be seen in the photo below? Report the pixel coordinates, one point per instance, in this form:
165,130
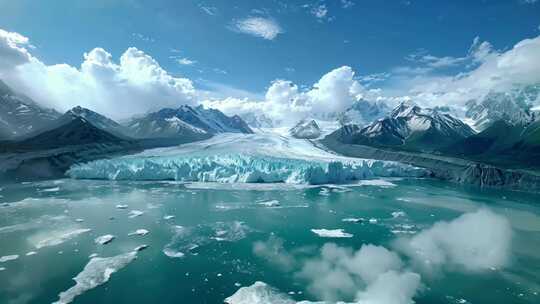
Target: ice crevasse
234,163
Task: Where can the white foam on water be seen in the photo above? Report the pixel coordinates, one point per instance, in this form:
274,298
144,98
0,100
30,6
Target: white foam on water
270,203
55,189
332,233
97,272
376,183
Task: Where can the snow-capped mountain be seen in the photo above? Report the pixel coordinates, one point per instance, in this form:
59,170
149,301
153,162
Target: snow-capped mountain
20,115
96,119
363,112
306,129
411,127
513,107
258,120
186,121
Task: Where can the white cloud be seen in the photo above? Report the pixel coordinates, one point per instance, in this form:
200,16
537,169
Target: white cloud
285,102
185,61
319,11
261,27
13,50
473,242
118,89
485,70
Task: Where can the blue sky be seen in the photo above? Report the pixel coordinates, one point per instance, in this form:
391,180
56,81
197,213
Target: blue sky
178,52
371,36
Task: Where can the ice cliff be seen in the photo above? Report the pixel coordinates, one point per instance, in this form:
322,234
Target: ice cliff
242,158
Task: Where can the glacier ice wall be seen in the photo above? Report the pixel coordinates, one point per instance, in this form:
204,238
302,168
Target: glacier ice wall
240,167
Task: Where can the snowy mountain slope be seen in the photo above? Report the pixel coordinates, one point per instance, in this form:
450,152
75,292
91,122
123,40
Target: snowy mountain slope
410,127
363,112
513,107
186,121
306,129
262,157
19,115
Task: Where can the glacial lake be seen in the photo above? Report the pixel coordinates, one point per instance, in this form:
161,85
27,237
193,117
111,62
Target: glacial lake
207,241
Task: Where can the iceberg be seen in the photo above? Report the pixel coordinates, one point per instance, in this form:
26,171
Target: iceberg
234,158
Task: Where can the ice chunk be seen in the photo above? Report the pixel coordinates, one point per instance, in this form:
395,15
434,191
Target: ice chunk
376,182
57,237
141,247
31,253
141,232
2,268
373,221
135,213
120,206
258,293
168,217
104,239
271,203
332,233
97,272
353,219
7,258
55,189
397,214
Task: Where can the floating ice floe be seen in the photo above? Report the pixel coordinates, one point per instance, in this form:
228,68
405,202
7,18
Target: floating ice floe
271,203
141,232
31,253
141,248
97,272
168,217
2,268
120,206
55,189
258,293
187,239
56,237
397,214
104,239
331,233
353,219
7,258
93,255
373,221
375,182
135,213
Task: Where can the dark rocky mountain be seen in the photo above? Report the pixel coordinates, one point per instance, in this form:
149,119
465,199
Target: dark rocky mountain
20,115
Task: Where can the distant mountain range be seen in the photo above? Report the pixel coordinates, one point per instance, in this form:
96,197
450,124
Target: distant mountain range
363,112
20,115
408,127
306,129
513,106
186,121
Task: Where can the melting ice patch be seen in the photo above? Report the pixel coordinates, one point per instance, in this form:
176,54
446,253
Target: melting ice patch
331,233
8,258
97,272
55,237
186,240
242,158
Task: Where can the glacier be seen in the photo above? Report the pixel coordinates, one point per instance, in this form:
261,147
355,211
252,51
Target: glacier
264,157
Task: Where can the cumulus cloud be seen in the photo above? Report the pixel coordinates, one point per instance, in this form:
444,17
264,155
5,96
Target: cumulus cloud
134,84
486,69
473,242
13,50
261,27
284,101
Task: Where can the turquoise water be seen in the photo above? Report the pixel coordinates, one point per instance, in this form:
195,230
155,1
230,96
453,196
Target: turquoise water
219,238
